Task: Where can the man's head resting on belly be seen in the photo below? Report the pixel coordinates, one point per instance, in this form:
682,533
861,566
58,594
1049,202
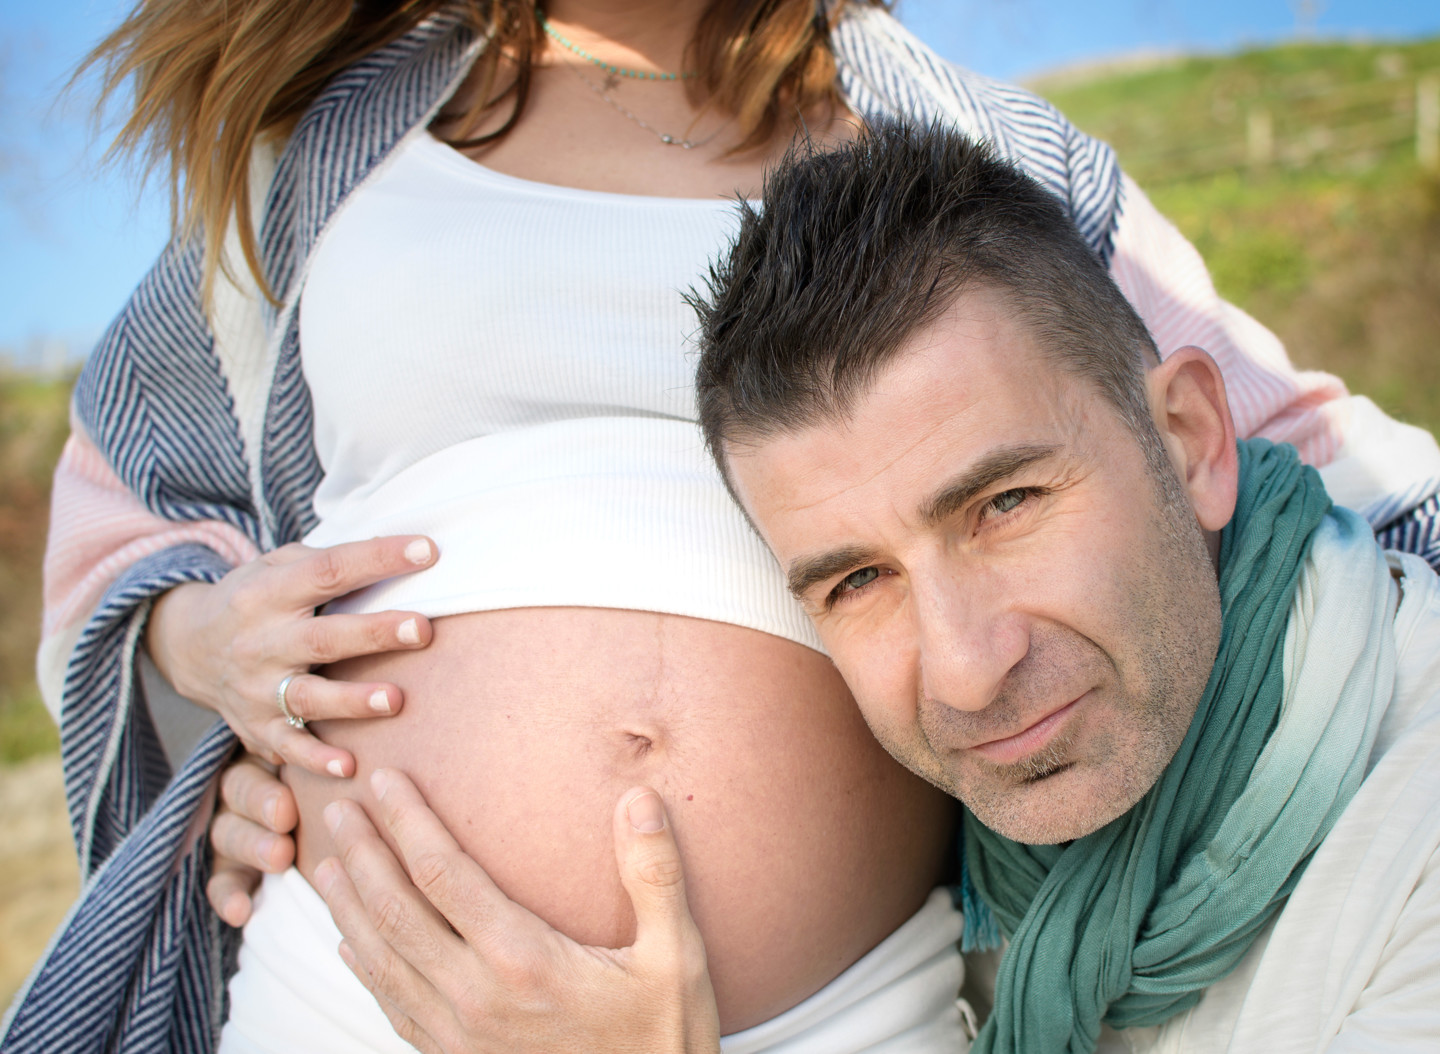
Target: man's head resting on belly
997,504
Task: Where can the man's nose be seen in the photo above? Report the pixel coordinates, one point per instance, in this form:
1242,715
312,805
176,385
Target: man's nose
969,638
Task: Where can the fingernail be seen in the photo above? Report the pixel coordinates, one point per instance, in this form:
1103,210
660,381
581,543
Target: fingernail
418,551
379,783
236,907
646,813
334,816
380,702
269,809
346,955
408,632
334,767
266,847
325,876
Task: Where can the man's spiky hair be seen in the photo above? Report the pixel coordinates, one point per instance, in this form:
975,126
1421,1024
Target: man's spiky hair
854,251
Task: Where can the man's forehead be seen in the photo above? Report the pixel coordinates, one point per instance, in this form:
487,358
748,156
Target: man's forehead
968,386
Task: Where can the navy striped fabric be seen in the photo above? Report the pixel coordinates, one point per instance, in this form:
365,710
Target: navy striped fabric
1417,531
140,963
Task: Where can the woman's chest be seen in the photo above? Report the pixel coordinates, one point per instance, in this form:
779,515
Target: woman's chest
448,302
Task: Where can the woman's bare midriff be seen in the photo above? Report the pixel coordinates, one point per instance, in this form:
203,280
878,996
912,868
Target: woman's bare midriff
804,843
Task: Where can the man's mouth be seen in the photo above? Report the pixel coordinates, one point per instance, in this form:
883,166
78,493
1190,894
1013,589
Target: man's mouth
1007,750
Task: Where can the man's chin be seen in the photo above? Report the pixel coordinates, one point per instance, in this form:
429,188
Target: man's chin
1044,808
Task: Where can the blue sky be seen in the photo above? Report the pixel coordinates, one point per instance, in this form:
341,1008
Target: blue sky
76,237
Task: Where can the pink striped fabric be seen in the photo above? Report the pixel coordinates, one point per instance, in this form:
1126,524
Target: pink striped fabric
98,529
1163,276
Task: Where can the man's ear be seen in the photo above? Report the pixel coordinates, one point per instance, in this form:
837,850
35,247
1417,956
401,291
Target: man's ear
1192,414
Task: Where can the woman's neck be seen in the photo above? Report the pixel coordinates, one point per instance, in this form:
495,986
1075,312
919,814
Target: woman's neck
639,34
595,129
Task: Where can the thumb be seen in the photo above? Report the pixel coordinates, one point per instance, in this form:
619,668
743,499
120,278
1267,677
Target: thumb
668,949
651,872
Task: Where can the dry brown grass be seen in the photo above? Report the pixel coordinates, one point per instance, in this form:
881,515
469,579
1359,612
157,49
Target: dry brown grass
39,876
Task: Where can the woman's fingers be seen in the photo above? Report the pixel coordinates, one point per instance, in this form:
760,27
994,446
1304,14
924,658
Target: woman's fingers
248,846
230,890
234,645
250,834
316,576
252,790
296,746
311,697
325,639
251,829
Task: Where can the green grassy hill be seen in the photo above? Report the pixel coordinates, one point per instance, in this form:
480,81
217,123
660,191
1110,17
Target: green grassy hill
1295,171
34,420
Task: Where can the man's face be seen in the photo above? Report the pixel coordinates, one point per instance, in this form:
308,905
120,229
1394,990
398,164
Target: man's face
1025,609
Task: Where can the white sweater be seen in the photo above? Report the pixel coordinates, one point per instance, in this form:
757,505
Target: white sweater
1352,962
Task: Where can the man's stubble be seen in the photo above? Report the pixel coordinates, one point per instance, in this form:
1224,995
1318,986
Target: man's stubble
1176,613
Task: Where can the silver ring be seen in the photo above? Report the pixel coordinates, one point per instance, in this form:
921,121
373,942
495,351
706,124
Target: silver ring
280,690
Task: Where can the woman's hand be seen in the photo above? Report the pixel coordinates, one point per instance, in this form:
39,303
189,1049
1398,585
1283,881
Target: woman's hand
251,833
231,645
458,967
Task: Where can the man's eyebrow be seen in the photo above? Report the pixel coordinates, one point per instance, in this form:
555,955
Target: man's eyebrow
995,466
804,572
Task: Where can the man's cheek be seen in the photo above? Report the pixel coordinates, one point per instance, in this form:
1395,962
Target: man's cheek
881,682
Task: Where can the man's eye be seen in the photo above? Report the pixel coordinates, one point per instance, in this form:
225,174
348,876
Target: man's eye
1006,501
856,580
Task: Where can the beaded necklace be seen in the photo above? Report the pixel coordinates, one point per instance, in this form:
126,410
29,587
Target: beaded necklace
608,67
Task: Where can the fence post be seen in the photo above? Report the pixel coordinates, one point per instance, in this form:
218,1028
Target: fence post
1259,137
1427,121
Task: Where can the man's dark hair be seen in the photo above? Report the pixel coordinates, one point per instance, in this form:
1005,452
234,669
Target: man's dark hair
853,252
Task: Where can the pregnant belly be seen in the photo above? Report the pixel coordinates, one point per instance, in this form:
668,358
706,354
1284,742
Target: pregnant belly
804,843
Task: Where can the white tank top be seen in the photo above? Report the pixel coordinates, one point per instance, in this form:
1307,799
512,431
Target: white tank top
448,301
506,366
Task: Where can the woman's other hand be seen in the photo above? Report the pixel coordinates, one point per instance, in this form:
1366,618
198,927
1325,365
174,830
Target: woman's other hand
252,832
231,646
458,967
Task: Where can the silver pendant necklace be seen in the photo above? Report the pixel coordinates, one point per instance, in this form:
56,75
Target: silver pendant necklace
611,83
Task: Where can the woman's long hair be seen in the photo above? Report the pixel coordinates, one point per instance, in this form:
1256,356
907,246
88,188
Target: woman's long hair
211,77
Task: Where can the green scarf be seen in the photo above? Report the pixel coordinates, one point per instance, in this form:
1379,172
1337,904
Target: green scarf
1108,928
